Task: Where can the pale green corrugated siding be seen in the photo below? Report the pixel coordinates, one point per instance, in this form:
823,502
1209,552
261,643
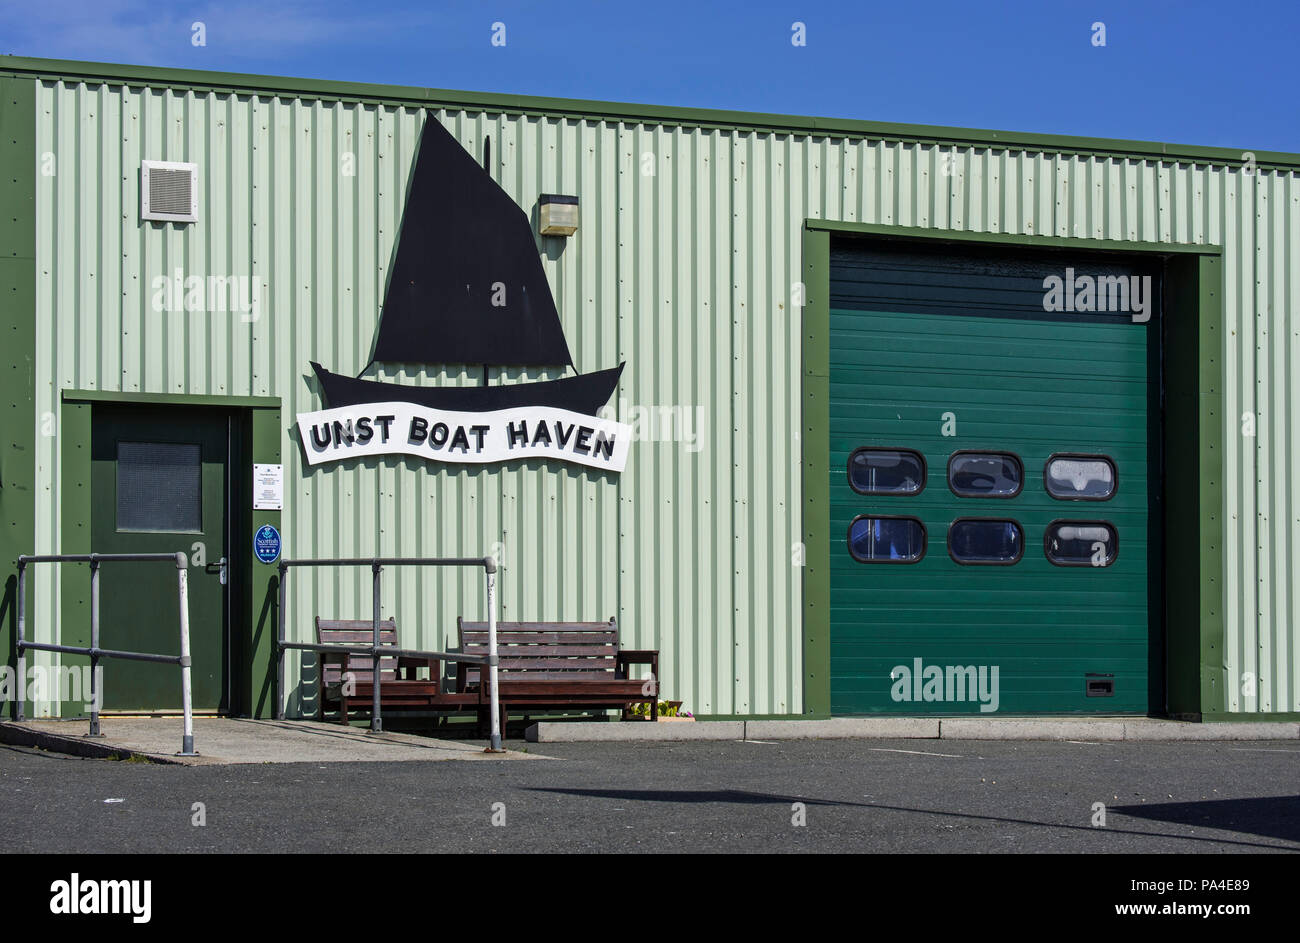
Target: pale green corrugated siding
687,274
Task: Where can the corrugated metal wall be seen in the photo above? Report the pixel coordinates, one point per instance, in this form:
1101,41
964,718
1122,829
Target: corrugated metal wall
685,267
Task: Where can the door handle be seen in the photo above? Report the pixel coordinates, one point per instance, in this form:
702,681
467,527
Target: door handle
222,566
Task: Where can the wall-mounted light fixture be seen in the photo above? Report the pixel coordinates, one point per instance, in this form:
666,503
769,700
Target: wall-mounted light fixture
557,215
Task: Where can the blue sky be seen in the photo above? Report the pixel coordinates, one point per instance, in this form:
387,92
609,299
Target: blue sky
1186,72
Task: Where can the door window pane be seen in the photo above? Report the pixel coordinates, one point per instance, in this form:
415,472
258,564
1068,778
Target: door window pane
1081,543
980,540
887,539
159,487
1080,477
886,471
985,475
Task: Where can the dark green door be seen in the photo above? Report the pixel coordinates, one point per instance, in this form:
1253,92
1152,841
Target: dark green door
158,480
991,470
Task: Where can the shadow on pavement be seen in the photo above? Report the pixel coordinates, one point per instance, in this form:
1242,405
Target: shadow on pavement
1269,816
733,796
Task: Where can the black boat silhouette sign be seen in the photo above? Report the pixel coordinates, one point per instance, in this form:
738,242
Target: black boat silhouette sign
400,428
466,287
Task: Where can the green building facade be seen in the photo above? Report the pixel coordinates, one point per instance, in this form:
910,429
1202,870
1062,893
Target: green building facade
720,255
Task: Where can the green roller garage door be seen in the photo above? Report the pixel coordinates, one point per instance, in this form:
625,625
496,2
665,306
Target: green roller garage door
993,471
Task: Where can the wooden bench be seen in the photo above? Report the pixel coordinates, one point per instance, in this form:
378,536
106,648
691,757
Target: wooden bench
407,692
552,665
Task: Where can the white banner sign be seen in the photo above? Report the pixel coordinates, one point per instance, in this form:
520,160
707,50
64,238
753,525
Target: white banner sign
331,435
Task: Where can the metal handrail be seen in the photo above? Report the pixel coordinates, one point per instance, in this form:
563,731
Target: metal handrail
93,650
375,650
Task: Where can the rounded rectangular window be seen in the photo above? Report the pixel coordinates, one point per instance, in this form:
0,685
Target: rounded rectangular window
985,475
977,540
1080,477
886,539
898,472
1081,543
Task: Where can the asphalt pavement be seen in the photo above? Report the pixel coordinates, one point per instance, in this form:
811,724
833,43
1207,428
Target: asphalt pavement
792,796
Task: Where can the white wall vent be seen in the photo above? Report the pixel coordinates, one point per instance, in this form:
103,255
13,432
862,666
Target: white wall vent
169,191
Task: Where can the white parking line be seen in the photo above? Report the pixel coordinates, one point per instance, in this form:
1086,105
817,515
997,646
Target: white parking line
955,756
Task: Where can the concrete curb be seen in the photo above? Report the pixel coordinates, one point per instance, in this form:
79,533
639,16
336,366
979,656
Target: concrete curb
634,731
1150,729
917,728
844,728
74,745
987,729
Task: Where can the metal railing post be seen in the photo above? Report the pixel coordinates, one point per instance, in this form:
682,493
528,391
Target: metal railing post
280,696
376,722
22,625
183,587
94,651
490,567
94,645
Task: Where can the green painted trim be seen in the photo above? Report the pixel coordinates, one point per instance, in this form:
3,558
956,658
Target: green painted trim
253,614
1010,239
1219,717
1210,426
170,399
263,441
240,83
1193,506
18,434
1194,425
710,718
74,531
815,432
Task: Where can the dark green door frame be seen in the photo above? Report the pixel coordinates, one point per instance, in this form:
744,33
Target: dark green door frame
18,428
253,589
1193,425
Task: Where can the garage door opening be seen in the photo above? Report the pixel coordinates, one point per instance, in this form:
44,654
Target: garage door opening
994,480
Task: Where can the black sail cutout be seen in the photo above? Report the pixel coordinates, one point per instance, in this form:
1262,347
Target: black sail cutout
467,286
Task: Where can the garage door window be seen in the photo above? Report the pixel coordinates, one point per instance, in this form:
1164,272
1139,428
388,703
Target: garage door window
1080,477
1081,543
886,471
887,539
982,541
985,475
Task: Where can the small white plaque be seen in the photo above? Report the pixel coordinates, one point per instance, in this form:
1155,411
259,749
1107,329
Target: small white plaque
268,487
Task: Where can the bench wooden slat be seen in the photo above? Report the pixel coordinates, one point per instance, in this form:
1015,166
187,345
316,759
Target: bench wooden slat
599,644
356,632
527,677
549,651
554,664
541,626
337,637
509,661
395,691
596,645
348,625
